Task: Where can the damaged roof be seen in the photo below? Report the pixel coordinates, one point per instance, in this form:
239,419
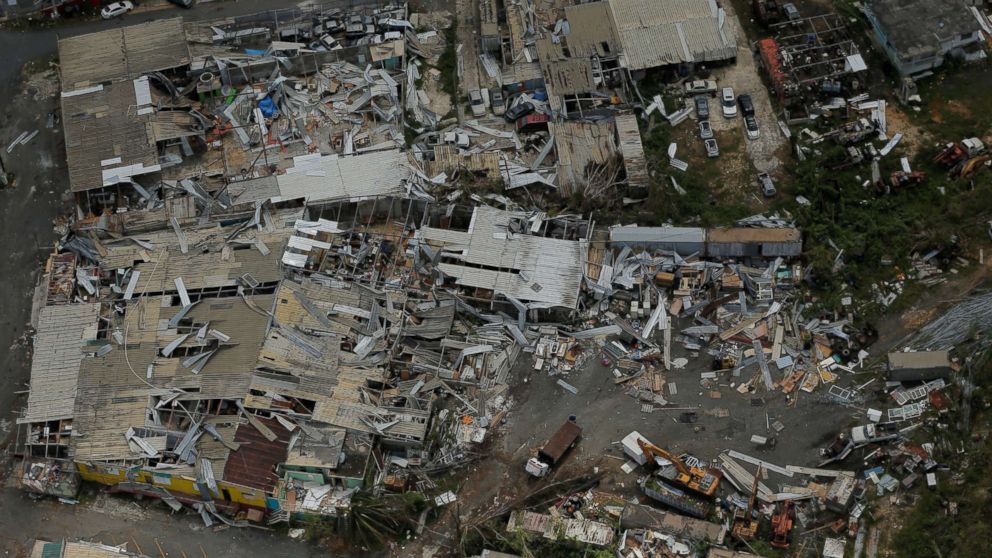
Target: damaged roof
656,33
124,53
545,271
58,352
332,177
105,137
254,463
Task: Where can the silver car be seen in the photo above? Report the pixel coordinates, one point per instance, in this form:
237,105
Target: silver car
767,185
712,149
705,130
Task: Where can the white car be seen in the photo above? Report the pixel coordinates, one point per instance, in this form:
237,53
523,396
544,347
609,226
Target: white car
728,103
476,102
116,9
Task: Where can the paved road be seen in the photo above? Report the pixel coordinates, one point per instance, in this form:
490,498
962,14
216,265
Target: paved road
27,212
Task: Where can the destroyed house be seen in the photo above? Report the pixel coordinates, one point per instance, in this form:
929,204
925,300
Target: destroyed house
224,114
811,57
80,549
919,35
637,516
204,366
503,253
113,122
921,366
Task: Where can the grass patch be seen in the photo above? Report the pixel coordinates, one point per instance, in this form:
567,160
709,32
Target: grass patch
447,63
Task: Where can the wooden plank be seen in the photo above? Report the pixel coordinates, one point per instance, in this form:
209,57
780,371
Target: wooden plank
741,326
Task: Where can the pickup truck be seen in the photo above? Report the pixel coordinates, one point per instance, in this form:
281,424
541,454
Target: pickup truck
874,432
555,449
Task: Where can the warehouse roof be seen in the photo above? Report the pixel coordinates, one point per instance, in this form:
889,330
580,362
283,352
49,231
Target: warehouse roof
656,33
105,138
657,234
58,352
755,235
546,271
332,177
124,53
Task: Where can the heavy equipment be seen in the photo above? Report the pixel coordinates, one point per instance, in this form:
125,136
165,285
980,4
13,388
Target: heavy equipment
745,524
954,154
782,526
971,165
696,479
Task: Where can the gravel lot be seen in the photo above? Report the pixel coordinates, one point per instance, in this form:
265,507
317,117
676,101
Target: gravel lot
744,77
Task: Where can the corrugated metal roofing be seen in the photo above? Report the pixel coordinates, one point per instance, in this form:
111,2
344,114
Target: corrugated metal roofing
58,352
588,30
525,267
254,463
755,235
632,150
661,32
333,177
113,390
658,234
124,53
100,127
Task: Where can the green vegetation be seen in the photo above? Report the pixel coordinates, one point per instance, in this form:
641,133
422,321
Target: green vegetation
371,522
447,63
702,203
933,524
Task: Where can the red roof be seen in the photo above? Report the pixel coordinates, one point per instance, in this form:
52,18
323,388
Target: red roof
254,463
769,57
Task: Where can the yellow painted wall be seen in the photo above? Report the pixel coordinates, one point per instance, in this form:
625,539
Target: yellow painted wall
112,474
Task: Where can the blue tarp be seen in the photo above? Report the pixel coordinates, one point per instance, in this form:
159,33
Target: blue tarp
268,107
254,52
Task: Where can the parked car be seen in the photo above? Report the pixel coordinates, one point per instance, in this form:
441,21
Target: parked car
728,103
700,86
747,105
116,9
476,102
702,108
751,127
712,149
705,130
183,3
767,185
518,110
330,43
496,101
791,12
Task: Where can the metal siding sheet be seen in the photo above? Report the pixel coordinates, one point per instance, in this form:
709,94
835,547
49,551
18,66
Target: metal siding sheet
58,352
333,177
650,36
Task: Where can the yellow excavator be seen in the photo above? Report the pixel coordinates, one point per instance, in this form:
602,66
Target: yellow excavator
696,479
745,525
